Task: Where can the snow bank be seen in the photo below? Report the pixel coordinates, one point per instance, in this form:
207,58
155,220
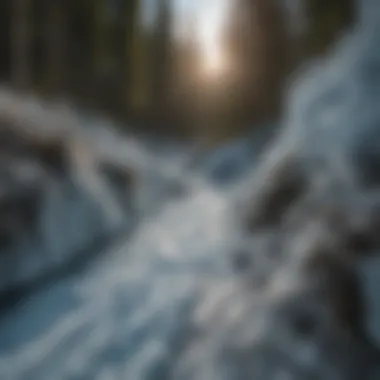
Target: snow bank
67,185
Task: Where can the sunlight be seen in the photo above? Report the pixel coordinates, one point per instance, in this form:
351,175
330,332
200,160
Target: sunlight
211,22
213,62
203,22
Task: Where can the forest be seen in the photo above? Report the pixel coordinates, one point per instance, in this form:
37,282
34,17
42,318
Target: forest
101,55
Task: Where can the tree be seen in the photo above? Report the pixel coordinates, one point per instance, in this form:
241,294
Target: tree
56,44
21,43
259,50
101,34
139,68
270,55
161,64
129,17
327,19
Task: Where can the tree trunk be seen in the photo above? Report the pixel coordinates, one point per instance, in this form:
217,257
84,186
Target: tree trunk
140,94
327,20
131,14
260,49
56,45
101,37
21,42
162,59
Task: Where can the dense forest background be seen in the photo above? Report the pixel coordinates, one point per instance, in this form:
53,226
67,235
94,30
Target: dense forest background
157,76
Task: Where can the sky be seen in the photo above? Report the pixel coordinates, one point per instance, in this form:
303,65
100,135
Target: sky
209,15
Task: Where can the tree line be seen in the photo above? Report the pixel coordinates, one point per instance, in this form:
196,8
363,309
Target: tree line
99,54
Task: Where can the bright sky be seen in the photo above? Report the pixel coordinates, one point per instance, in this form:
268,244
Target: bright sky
208,13
207,17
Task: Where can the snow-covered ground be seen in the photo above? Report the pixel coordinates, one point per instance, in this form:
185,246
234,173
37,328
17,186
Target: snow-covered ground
128,304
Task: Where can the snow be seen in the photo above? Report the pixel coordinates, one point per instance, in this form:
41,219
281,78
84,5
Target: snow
129,300
127,304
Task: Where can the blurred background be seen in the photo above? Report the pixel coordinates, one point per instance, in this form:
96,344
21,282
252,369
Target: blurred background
128,130
205,70
103,101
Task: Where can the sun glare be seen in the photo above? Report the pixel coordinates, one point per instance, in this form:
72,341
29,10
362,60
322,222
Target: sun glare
213,63
204,22
211,23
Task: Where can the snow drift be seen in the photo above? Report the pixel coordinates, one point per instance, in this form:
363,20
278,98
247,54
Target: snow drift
68,185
